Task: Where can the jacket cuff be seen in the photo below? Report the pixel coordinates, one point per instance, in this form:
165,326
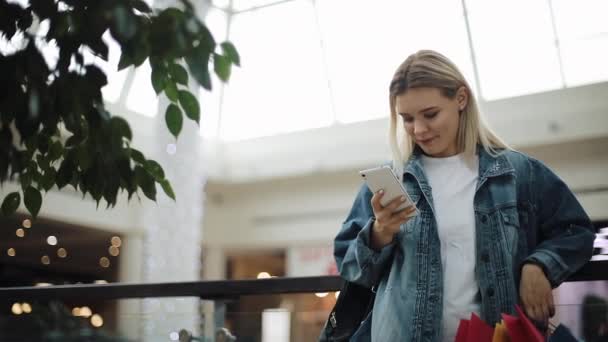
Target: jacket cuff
369,256
552,264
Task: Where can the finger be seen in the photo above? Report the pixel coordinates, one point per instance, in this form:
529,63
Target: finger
551,304
376,206
410,209
543,312
395,203
397,219
536,313
529,310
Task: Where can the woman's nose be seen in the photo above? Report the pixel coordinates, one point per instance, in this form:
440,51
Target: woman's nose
419,127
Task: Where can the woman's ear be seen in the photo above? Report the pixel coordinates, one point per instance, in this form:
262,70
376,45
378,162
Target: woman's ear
462,96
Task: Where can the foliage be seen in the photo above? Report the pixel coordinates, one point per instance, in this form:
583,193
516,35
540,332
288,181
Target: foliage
54,127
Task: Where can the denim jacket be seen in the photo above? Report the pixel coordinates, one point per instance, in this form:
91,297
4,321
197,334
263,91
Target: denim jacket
523,213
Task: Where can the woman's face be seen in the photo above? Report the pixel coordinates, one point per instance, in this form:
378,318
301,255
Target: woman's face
432,119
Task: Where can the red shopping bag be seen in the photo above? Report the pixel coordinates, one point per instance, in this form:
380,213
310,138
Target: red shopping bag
474,330
462,333
479,331
520,328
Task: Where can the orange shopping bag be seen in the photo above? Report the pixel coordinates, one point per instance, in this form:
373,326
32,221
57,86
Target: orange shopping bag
500,333
520,328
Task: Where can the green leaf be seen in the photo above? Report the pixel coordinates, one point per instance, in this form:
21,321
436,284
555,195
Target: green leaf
174,119
124,23
198,63
11,203
159,79
190,105
65,173
121,126
222,66
230,51
145,182
25,179
167,188
48,180
155,170
83,157
32,200
178,73
125,61
171,91
141,6
55,151
137,156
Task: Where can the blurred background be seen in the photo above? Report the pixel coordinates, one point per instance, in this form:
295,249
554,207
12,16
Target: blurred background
264,184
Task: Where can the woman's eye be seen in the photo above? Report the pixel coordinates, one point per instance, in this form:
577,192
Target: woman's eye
408,119
430,115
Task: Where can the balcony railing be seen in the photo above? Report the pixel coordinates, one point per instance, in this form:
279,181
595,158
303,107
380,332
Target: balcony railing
223,295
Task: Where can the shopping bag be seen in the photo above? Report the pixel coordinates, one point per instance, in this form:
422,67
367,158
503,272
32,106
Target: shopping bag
500,333
479,331
462,333
520,328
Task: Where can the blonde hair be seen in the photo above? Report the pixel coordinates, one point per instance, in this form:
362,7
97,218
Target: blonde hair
427,68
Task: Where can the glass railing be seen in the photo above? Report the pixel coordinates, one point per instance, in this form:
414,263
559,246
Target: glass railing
265,310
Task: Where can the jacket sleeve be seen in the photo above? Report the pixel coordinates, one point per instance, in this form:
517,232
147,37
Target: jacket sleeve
356,260
566,230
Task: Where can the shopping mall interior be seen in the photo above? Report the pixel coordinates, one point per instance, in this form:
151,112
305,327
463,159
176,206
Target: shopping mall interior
265,181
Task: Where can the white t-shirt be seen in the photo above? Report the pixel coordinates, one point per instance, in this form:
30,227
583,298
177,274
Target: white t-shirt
453,182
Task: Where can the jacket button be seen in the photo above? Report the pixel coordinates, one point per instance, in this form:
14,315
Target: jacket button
484,219
485,256
490,292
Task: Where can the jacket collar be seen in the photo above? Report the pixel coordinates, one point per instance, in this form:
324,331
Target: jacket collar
489,165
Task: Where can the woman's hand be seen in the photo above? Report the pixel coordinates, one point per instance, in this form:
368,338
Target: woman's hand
387,221
536,295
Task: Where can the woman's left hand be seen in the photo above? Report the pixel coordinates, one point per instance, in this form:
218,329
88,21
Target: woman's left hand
536,295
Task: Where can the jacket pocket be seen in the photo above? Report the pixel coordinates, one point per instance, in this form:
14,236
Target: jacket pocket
509,229
414,221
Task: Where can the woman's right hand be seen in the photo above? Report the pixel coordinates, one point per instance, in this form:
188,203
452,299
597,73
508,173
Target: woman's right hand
387,222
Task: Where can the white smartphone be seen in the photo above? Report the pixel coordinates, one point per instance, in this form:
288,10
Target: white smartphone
384,178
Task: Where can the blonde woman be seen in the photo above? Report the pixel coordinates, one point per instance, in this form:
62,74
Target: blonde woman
495,227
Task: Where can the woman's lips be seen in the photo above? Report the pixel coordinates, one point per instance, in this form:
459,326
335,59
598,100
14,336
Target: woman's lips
425,141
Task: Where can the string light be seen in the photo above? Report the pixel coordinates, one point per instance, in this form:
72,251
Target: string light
62,252
11,252
45,259
174,336
27,223
113,250
116,241
104,262
51,240
20,232
76,311
85,311
17,309
264,275
96,320
26,307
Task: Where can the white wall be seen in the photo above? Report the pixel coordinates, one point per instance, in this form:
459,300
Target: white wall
308,210
296,189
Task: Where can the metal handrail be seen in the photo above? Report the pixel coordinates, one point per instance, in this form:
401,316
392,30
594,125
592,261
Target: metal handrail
214,290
